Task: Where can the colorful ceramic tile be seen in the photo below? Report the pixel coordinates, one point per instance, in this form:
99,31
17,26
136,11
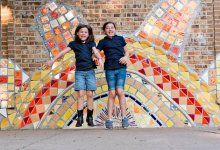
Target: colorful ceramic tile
178,6
3,71
178,15
156,31
55,51
54,14
45,19
61,19
159,12
166,45
174,22
62,10
18,74
57,30
66,26
4,63
212,73
75,22
167,18
148,28
44,10
69,40
164,5
167,28
53,6
171,2
67,35
171,11
69,15
48,35
171,39
173,31
163,35
178,42
3,79
152,20
58,38
51,43
18,82
62,45
46,27
159,23
175,50
73,31
54,23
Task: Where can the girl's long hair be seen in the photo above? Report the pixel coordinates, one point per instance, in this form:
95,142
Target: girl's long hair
90,37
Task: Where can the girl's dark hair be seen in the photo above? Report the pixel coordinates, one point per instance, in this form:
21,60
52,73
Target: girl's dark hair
105,24
90,37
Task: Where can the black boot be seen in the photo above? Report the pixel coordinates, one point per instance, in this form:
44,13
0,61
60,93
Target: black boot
89,118
80,118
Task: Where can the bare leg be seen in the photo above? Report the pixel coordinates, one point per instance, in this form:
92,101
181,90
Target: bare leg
80,99
111,99
122,101
89,100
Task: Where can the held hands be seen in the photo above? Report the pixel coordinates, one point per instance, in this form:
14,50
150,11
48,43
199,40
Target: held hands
101,64
123,60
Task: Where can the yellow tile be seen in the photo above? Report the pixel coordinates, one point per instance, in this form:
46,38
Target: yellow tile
36,76
68,55
216,119
105,88
67,115
126,88
23,108
10,87
132,90
170,39
11,79
152,20
45,73
60,123
196,84
11,117
10,65
23,95
11,72
17,122
174,66
137,45
162,116
169,123
185,74
4,123
141,97
150,50
162,58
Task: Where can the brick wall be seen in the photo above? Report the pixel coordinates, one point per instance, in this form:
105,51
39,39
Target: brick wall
24,46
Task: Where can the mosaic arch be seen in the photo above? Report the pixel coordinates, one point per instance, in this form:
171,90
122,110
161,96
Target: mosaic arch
161,90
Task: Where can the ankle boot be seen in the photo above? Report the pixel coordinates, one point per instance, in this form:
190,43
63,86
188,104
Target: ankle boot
89,118
80,118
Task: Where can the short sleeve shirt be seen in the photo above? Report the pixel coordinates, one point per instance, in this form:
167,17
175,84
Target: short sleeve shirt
83,55
114,50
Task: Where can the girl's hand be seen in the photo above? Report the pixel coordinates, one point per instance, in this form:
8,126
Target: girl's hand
101,64
94,58
123,60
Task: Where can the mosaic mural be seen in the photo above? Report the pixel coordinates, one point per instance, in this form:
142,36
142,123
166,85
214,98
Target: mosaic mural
161,90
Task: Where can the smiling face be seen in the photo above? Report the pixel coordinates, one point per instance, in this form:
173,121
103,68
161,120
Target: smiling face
83,34
110,30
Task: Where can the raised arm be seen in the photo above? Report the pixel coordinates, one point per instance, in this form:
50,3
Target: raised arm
50,63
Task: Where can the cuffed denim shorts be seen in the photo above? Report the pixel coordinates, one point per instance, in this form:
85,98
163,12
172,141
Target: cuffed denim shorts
115,78
85,80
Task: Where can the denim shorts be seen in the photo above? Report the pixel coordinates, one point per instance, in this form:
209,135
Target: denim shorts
115,78
85,80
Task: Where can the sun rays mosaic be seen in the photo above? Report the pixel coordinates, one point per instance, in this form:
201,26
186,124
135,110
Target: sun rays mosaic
161,90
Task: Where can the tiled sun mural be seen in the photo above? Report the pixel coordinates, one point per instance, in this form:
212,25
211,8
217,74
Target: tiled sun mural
161,90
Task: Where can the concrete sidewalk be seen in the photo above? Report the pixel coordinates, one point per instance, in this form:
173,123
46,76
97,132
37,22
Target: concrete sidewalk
117,139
